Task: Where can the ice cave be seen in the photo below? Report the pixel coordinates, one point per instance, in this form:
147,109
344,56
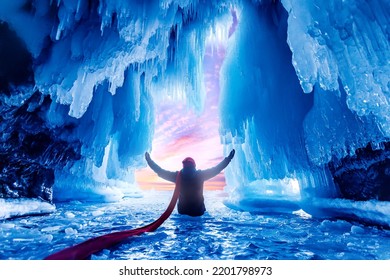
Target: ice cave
303,98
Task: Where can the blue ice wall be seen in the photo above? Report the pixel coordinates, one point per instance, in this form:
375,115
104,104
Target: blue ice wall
305,85
263,104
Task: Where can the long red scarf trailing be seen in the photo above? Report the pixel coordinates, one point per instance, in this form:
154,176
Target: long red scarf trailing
85,249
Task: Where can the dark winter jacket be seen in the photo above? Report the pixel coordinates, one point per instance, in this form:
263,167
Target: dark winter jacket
191,200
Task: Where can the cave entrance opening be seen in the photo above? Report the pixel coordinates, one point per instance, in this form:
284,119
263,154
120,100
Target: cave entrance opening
181,131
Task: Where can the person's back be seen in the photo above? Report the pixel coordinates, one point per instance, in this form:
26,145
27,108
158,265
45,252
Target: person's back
191,200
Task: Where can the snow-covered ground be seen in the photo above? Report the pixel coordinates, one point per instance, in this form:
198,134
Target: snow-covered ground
222,233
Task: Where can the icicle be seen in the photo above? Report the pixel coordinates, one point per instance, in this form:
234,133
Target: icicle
78,6
59,31
84,77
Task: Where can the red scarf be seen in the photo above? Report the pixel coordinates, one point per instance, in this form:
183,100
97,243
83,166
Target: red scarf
85,249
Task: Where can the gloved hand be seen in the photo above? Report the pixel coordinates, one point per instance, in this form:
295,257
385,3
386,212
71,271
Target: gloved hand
231,155
147,157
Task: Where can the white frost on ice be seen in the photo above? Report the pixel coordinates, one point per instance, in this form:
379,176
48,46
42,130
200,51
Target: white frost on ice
10,208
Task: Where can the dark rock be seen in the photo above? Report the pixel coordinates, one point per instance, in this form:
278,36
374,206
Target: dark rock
364,176
15,60
30,150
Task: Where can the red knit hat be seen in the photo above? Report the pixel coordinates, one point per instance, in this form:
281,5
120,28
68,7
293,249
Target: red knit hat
188,161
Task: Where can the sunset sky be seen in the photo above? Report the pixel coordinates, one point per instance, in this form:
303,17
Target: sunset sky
180,133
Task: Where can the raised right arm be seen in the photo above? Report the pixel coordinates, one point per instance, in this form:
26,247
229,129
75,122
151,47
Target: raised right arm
165,174
214,171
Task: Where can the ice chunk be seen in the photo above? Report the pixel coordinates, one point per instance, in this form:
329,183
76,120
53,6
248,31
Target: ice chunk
97,213
70,231
69,215
22,207
7,225
51,229
357,229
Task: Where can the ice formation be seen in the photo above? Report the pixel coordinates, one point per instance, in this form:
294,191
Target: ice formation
304,85
24,207
284,126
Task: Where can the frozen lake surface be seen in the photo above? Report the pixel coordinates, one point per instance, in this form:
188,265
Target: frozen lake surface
222,233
